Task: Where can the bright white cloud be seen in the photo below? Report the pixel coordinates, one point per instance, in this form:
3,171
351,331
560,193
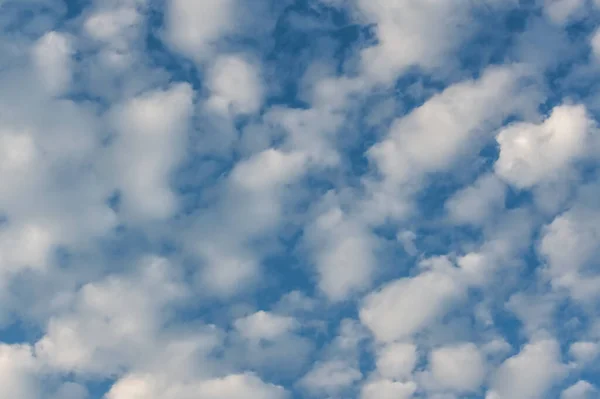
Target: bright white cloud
410,33
151,142
580,390
568,245
448,125
112,322
459,367
330,377
532,153
397,361
264,325
235,386
584,352
530,373
235,86
17,372
386,389
406,306
343,253
233,160
194,27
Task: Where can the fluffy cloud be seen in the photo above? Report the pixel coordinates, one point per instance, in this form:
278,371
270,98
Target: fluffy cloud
561,11
343,252
530,373
448,125
460,368
235,86
580,390
235,386
397,360
263,325
52,59
568,246
18,368
406,306
477,203
330,377
150,145
198,198
194,27
386,389
530,153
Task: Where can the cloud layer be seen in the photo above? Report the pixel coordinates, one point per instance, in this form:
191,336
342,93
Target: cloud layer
328,199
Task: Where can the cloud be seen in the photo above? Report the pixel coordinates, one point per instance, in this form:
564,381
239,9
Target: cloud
386,389
52,58
530,153
263,325
460,368
530,373
343,252
232,386
150,145
406,306
193,28
366,199
580,390
466,112
330,377
18,369
478,202
397,360
561,11
405,39
235,86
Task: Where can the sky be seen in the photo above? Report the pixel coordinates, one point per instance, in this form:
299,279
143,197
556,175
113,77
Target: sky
299,199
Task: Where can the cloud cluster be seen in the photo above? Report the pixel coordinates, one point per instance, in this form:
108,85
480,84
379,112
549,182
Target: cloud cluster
369,199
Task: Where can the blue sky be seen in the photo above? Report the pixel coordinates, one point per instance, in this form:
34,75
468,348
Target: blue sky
336,199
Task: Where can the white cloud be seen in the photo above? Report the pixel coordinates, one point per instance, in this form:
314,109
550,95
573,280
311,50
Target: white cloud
226,271
460,367
112,25
151,143
235,86
532,153
530,373
25,246
234,386
561,11
110,324
568,245
343,252
194,27
584,352
267,170
406,306
265,325
410,32
52,60
17,372
580,390
330,377
478,202
448,125
386,389
595,43
397,360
